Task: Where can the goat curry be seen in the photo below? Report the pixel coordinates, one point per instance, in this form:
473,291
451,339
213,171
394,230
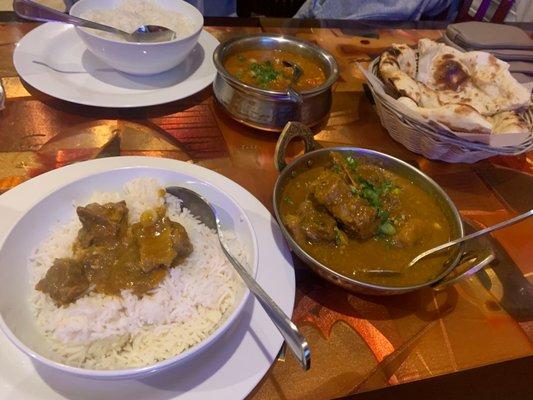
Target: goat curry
358,218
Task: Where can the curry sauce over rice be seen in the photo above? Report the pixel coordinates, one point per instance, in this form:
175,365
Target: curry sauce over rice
110,255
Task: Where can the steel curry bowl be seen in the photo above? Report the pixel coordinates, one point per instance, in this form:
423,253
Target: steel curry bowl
462,261
266,109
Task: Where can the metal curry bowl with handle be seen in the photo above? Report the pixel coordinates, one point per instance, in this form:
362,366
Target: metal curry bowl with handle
463,260
266,109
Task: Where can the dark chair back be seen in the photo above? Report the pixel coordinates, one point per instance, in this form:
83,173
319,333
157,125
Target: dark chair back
503,7
269,8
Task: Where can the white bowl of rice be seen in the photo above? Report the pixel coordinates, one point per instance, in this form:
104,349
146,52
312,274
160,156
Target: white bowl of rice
128,15
116,337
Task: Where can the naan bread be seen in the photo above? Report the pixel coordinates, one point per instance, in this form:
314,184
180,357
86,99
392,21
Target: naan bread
492,77
458,117
440,67
508,122
429,98
475,78
468,92
408,102
406,57
391,72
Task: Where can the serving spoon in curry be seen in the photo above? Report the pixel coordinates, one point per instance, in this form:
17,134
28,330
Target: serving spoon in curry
202,209
296,74
451,243
481,232
144,34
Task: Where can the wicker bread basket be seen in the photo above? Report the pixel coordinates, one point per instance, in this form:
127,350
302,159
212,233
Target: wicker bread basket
429,138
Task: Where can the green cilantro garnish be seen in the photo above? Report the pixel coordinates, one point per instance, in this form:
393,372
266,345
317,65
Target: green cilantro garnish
383,215
371,196
387,229
339,240
386,188
288,200
264,72
352,162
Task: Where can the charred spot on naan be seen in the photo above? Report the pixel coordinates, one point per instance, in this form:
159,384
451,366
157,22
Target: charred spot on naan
395,52
464,109
404,85
402,57
450,74
493,60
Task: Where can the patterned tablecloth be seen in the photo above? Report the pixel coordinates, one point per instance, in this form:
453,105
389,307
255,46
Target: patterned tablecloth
358,343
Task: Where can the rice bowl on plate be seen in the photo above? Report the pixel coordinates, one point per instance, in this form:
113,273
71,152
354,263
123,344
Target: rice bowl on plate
138,58
130,14
126,335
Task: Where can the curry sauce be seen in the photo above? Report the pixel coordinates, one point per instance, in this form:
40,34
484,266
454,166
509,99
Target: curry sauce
265,69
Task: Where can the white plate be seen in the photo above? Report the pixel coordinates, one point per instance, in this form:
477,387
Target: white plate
229,369
53,59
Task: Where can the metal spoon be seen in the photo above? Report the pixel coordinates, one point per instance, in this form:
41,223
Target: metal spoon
387,272
200,208
297,73
465,267
144,34
492,228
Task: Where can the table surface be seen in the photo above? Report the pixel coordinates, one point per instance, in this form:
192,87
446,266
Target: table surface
358,343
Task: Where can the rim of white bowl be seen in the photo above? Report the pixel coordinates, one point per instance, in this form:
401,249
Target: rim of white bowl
130,373
177,40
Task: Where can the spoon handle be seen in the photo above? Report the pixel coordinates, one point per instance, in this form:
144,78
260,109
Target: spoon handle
36,12
296,342
482,232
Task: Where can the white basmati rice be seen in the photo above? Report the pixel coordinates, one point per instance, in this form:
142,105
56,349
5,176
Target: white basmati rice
110,332
131,14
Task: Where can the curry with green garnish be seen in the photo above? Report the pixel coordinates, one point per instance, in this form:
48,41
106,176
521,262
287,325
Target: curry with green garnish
265,69
356,217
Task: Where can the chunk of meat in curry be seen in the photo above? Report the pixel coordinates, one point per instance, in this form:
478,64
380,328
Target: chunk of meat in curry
410,233
312,224
109,255
101,223
160,240
65,281
357,217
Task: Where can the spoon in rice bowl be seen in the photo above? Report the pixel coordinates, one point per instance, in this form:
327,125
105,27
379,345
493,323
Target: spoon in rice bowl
202,209
144,34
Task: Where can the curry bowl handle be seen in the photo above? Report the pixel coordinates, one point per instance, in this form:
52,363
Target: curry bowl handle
469,263
292,130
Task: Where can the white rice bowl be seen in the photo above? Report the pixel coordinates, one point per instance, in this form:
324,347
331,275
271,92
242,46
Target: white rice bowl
139,58
101,332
